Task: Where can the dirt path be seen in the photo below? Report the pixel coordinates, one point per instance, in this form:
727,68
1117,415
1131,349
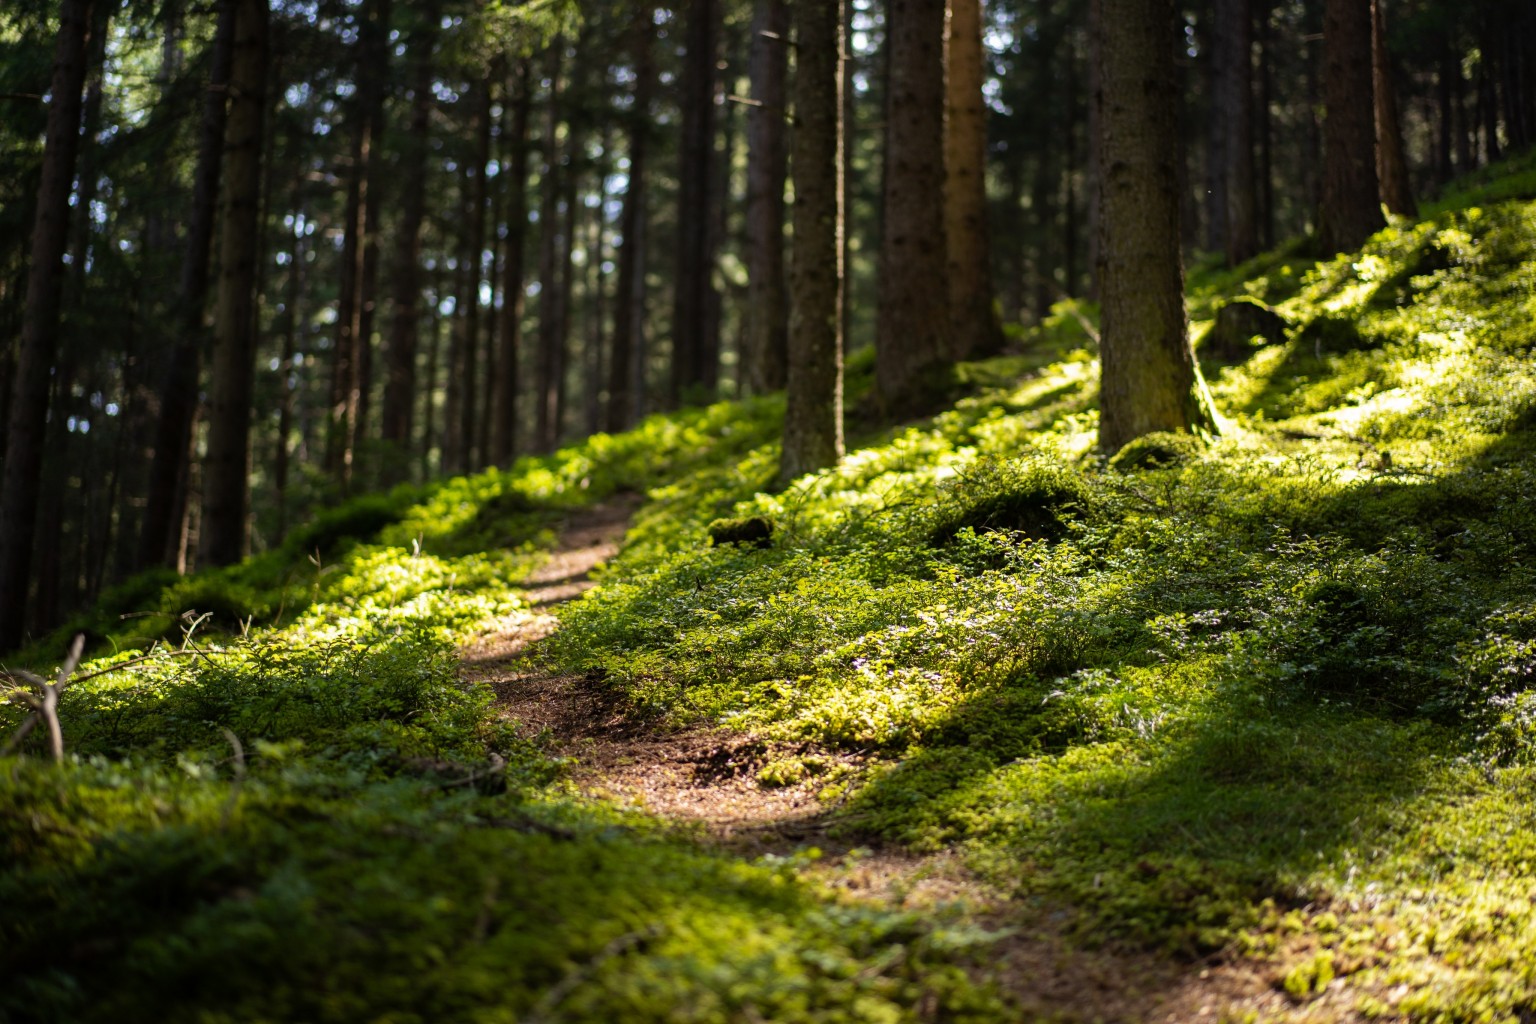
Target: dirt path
709,783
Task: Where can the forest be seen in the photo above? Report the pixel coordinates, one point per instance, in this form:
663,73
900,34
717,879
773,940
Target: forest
768,510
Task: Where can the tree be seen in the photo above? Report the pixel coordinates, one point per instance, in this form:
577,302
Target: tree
912,332
629,302
40,324
813,418
551,354
513,290
767,306
975,329
400,379
349,378
1234,118
692,346
1391,164
1351,208
1148,378
222,540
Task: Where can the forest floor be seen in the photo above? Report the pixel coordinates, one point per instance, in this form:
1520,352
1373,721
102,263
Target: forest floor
703,783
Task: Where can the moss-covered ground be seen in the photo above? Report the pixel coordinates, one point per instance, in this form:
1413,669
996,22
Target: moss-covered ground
1268,702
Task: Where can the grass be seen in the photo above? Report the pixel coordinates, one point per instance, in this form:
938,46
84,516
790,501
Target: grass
1269,698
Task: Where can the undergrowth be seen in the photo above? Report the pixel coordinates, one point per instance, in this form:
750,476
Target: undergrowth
1271,696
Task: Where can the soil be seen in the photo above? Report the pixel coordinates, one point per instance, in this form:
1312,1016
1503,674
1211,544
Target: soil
706,783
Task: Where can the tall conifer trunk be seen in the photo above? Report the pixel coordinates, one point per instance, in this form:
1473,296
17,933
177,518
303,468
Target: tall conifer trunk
813,418
1148,378
1391,164
1351,210
164,511
767,165
696,171
623,353
550,355
222,536
400,380
912,334
1234,108
976,331
513,291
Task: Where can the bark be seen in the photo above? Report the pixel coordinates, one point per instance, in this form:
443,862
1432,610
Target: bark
596,292
550,355
222,537
400,380
912,335
28,420
1391,164
1351,210
513,291
975,329
1148,379
813,418
1266,129
767,160
165,504
630,287
359,228
696,172
475,251
1234,102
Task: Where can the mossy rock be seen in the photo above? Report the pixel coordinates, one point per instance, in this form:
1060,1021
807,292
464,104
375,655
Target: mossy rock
1329,333
1241,325
1033,499
754,531
1161,450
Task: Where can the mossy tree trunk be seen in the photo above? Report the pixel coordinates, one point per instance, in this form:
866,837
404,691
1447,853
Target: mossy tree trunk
975,329
222,533
1351,209
693,298
912,332
813,420
1149,381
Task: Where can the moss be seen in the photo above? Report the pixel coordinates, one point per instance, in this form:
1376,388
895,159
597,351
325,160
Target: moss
751,531
1161,450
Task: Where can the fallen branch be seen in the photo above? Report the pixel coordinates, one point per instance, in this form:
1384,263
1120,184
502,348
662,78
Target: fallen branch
45,703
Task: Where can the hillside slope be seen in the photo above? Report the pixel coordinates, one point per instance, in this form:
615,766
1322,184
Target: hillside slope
1264,702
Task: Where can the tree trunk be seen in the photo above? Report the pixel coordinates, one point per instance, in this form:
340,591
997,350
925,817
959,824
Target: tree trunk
550,356
1234,43
975,329
1351,210
292,319
912,346
622,359
475,252
222,539
767,303
1391,165
164,510
400,381
696,171
513,291
813,417
1148,379
28,420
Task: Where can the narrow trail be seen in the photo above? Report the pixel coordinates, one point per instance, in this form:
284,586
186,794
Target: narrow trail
705,781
